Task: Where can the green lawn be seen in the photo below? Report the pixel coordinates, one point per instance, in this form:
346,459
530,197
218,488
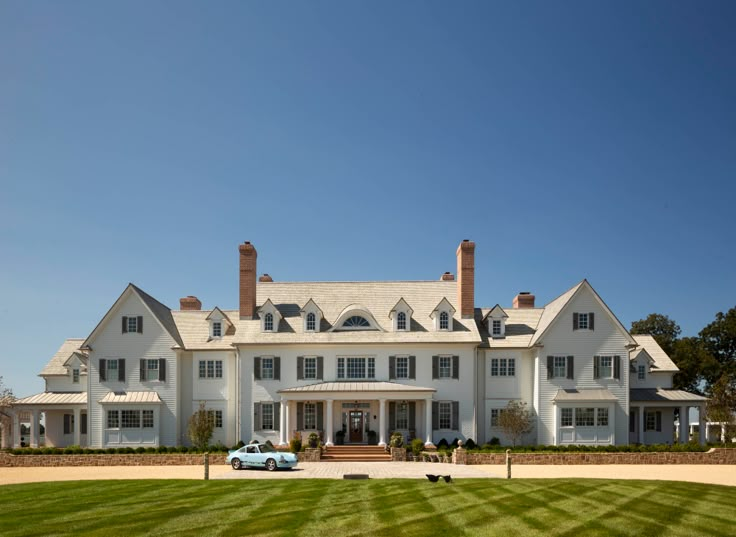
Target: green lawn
403,507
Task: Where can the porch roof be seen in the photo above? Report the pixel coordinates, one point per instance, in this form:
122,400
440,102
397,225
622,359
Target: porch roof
661,395
571,396
358,386
54,398
131,397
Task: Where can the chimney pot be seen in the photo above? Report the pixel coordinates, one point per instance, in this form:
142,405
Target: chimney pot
190,303
448,277
265,278
523,300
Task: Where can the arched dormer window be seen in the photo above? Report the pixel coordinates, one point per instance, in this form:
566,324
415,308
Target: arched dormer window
268,322
444,321
356,321
401,321
311,322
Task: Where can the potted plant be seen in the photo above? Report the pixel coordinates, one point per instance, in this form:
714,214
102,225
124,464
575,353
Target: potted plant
313,440
372,437
340,437
397,440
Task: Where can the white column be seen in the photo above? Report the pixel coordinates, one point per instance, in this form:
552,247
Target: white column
77,427
684,425
382,422
34,428
703,426
329,403
5,432
641,424
16,431
428,423
283,439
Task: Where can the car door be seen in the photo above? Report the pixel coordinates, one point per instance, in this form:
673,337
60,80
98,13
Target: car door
251,456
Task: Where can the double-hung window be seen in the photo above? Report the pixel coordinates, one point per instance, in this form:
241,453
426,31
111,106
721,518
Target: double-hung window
444,321
113,419
560,367
130,419
151,370
217,329
216,417
311,322
583,321
268,322
401,321
584,417
310,416
606,367
210,369
503,367
267,417
356,368
75,376
112,369
147,419
310,367
445,367
402,416
267,369
641,372
402,367
496,328
566,417
445,415
495,413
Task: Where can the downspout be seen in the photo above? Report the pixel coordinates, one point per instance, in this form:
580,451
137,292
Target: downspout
237,395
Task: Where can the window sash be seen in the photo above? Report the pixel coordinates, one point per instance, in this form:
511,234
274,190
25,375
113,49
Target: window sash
311,322
402,415
445,366
444,321
113,419
496,327
401,321
445,415
267,417
582,321
268,322
566,417
641,373
217,329
130,419
602,417
606,367
560,366
151,369
402,367
310,416
356,368
75,376
266,368
132,324
495,413
147,419
585,417
310,367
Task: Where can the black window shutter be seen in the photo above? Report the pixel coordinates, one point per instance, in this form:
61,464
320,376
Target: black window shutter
591,321
456,367
596,367
455,416
300,368
320,367
140,324
435,415
276,368
550,367
277,416
391,367
412,415
67,424
125,325
574,321
570,367
257,417
299,416
83,425
257,368
391,416
103,369
162,369
435,367
121,370
143,369
659,421
617,367
413,367
320,416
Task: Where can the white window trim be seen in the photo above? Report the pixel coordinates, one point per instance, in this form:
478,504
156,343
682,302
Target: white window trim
212,329
214,363
641,372
439,321
345,367
263,367
304,371
508,362
439,415
396,367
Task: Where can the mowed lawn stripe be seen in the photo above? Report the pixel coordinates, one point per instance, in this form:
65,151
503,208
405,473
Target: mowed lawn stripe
271,508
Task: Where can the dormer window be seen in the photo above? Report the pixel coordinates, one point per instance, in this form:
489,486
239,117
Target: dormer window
356,321
496,322
217,329
311,322
496,330
270,317
268,322
401,321
311,316
75,376
444,321
219,324
641,372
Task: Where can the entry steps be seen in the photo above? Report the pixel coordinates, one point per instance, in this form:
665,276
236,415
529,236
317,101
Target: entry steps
355,453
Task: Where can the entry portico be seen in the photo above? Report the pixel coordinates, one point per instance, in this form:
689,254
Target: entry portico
651,415
357,407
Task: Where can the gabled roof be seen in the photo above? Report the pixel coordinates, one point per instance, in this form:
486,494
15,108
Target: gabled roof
400,305
78,355
442,305
217,310
269,307
313,306
662,362
496,311
159,311
56,366
554,309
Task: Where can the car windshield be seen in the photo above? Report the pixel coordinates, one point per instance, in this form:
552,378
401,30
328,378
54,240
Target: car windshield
265,448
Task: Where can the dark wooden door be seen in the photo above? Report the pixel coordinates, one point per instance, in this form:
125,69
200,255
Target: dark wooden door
356,426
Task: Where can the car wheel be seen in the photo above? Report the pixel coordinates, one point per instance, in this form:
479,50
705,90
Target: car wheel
237,464
270,465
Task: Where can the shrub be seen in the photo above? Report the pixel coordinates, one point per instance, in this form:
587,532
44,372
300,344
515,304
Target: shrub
397,440
295,444
162,449
313,440
417,446
495,441
140,449
442,444
469,444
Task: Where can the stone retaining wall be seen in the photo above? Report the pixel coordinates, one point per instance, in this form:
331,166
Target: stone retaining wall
142,459
714,456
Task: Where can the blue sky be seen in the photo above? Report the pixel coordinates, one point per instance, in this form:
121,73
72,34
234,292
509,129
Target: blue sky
143,141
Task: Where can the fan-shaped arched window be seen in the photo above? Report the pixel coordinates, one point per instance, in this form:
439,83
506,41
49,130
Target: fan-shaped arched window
311,322
268,322
401,321
444,321
356,321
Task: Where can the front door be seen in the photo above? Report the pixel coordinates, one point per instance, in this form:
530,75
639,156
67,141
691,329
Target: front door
356,425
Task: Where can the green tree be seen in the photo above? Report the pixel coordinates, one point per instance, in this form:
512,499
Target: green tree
721,406
201,426
719,339
516,420
6,402
662,328
695,364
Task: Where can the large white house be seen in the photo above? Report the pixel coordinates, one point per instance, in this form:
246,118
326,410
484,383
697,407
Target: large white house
356,361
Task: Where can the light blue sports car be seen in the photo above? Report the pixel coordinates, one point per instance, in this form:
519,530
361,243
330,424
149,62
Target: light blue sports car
261,456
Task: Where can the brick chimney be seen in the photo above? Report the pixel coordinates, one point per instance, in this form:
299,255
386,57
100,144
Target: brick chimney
448,277
265,278
523,300
248,257
190,303
466,279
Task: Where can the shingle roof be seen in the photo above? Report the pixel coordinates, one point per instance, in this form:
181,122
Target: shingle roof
55,366
131,397
521,324
664,395
194,329
552,310
662,362
599,394
54,398
352,387
161,312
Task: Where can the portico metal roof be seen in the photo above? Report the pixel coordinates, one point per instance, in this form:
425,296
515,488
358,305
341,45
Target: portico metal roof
131,397
54,398
665,396
360,386
570,396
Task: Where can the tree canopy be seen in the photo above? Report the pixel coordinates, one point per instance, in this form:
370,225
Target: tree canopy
665,330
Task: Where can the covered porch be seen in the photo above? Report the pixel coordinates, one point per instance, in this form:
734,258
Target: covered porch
356,412
652,416
65,419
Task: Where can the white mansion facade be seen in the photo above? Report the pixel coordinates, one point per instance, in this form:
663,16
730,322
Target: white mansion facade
356,361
